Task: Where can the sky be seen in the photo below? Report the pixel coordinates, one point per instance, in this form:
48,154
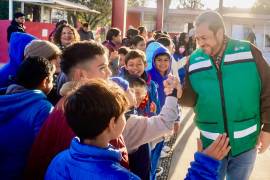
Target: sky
213,4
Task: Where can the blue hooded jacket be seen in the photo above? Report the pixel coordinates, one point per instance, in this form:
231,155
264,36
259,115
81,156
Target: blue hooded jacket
156,76
150,50
83,161
17,44
21,116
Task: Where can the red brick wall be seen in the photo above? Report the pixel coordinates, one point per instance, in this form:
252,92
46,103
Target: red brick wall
133,19
34,28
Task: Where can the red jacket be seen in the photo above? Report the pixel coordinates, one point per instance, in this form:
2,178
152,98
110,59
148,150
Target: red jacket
54,137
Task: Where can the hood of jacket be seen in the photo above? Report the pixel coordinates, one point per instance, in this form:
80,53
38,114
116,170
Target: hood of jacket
81,151
150,49
18,42
156,76
160,51
17,100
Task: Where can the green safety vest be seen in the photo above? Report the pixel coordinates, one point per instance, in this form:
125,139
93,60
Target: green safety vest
228,100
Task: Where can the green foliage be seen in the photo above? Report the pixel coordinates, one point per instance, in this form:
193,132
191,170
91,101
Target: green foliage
191,4
4,8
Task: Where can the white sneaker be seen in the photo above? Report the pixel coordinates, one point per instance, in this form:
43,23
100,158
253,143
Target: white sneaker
164,154
159,171
166,148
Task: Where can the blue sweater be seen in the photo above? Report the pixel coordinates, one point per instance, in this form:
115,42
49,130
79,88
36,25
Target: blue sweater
21,116
17,44
87,162
203,168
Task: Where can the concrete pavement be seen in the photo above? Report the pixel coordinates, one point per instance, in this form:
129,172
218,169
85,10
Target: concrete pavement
185,145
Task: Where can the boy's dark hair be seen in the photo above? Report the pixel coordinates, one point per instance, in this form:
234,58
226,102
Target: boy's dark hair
90,108
80,52
85,24
60,23
135,81
112,33
132,32
160,35
141,29
136,39
33,71
165,41
123,50
135,53
18,14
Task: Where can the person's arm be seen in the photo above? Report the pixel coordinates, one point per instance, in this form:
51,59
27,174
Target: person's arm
264,71
206,162
140,130
189,97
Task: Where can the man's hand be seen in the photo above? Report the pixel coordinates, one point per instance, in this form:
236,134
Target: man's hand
263,142
218,149
172,83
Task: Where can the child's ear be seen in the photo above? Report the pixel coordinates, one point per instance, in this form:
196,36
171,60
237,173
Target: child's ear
111,125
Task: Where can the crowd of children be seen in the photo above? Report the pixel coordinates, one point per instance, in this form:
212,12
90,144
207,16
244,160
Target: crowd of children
72,109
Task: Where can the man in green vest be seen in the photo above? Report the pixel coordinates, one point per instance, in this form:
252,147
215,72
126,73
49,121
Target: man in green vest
228,84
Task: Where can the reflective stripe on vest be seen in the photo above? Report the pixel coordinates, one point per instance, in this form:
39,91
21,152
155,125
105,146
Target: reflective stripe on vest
242,56
236,134
200,65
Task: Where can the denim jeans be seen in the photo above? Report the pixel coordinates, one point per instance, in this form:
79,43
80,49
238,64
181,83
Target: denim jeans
155,155
238,167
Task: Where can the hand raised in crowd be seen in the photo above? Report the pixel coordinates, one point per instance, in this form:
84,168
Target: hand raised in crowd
218,149
172,83
263,142
114,55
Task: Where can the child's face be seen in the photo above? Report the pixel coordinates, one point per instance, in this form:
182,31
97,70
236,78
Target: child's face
140,93
135,66
162,63
141,45
122,60
96,68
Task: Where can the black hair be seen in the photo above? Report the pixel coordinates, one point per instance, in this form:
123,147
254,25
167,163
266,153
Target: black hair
80,52
141,29
165,41
135,81
123,50
132,32
113,32
33,71
18,14
136,39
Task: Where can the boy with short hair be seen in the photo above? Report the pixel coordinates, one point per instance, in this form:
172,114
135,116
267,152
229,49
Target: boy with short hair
135,63
23,109
90,155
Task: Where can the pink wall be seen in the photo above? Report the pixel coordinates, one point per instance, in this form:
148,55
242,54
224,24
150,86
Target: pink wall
34,28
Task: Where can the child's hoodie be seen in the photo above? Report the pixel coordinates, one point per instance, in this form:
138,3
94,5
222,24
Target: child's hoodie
157,77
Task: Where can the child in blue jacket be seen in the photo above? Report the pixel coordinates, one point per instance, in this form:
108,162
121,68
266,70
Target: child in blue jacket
23,109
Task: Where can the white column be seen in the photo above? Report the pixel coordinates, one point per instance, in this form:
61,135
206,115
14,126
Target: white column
10,10
41,13
142,18
22,7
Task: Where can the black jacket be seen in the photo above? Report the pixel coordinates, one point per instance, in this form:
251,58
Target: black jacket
85,35
14,27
